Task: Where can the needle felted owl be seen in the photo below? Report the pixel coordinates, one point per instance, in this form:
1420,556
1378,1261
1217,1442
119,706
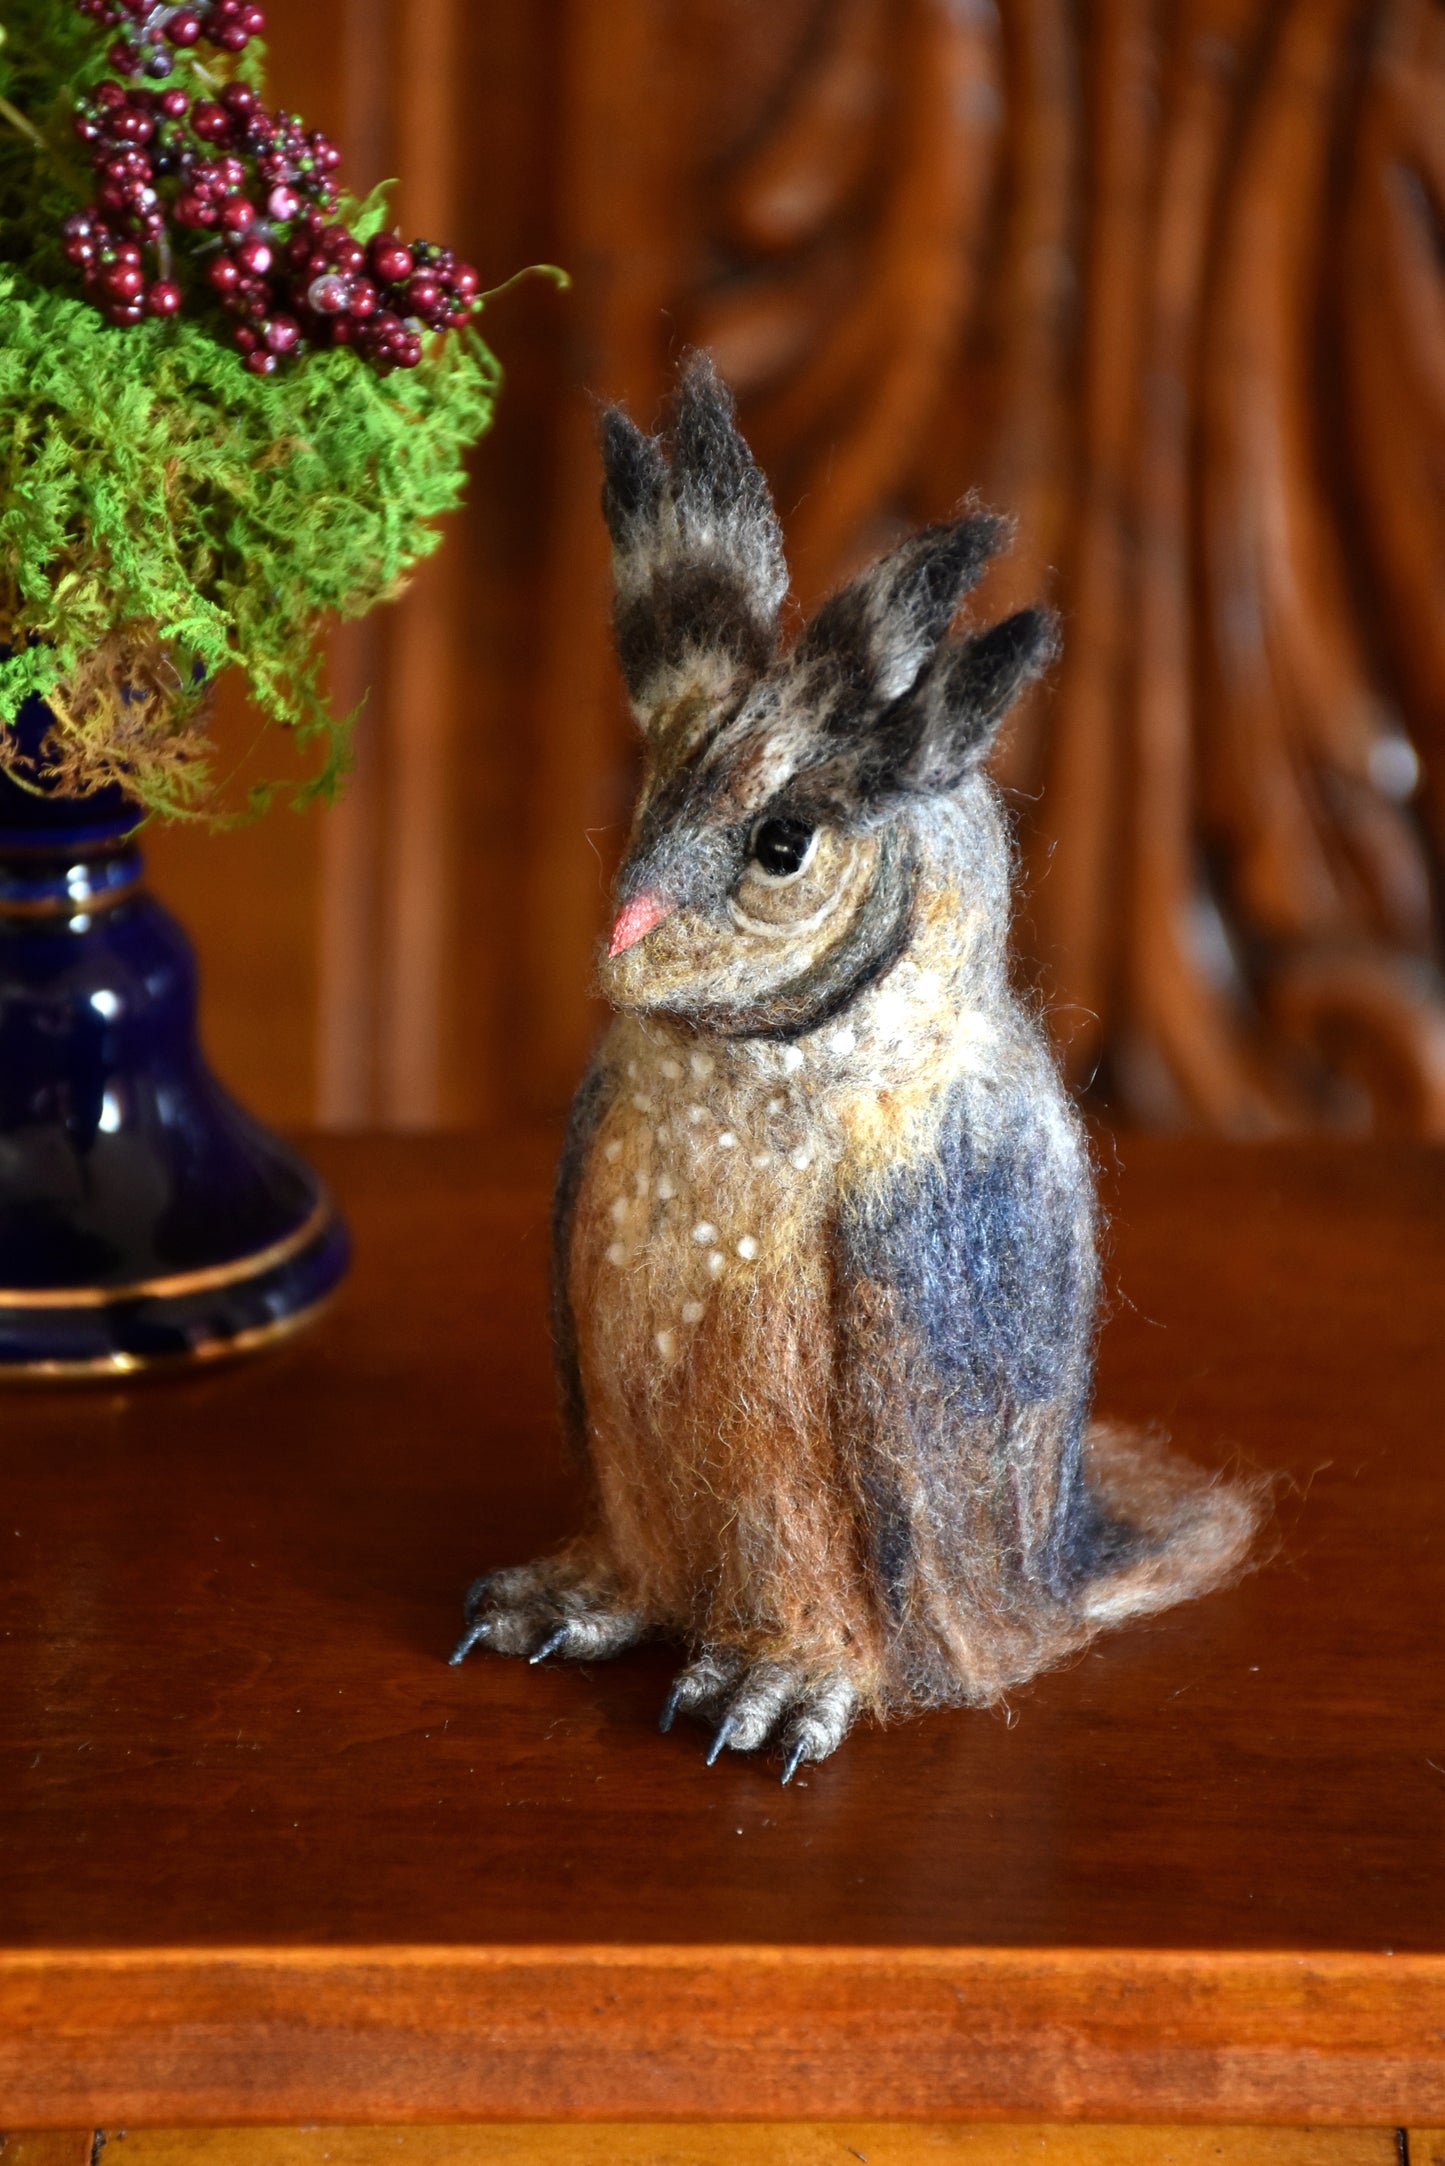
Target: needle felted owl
824,1265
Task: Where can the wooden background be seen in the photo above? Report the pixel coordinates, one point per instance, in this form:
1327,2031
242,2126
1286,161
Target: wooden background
1167,281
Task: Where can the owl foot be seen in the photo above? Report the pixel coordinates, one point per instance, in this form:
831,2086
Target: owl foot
760,1703
545,1609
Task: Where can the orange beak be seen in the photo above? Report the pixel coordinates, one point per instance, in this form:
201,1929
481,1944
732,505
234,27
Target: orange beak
638,917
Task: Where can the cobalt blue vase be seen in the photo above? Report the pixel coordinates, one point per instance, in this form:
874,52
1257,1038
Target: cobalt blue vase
146,1221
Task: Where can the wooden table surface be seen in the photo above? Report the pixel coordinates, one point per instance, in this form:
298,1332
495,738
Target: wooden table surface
265,1857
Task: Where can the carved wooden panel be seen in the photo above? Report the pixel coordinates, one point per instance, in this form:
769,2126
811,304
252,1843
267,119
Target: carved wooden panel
1164,277
350,973
1166,282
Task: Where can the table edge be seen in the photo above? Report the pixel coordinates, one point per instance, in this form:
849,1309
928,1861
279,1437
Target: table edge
188,2035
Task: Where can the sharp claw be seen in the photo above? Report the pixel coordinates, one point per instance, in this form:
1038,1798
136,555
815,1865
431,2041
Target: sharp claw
795,1760
720,1737
550,1644
670,1707
469,1640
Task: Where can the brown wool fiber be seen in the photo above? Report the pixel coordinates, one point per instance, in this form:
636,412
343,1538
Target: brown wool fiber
825,1283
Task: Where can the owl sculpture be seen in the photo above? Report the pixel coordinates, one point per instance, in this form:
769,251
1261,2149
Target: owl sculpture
825,1282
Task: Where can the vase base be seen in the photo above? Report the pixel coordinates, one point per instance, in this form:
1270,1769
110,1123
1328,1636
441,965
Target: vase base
185,1320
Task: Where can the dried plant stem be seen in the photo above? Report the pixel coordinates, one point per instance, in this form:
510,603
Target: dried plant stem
20,124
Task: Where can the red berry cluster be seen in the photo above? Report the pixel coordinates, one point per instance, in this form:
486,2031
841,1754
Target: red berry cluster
243,200
149,33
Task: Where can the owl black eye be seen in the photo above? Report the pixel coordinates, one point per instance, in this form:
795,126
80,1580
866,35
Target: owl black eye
782,847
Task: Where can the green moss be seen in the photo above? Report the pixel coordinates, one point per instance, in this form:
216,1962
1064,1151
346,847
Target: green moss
166,515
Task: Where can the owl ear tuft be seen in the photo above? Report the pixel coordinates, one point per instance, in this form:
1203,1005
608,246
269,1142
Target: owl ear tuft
881,630
634,479
697,552
717,484
946,726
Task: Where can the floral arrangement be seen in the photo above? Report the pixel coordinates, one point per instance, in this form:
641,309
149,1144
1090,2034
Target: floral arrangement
233,401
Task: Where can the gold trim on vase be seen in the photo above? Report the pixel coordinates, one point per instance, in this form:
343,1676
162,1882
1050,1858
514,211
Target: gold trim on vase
117,1367
94,904
180,1283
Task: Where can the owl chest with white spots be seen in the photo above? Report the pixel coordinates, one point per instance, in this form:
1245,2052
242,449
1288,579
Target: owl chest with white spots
704,1188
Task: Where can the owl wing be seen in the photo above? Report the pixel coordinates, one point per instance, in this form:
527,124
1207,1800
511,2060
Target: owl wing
966,1285
583,1121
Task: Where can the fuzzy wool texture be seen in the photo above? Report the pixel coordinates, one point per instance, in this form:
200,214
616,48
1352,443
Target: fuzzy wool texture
826,1285
165,515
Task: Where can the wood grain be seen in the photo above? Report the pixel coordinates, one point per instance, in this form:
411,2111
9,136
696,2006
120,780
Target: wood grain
828,2143
47,2147
659,2033
263,1856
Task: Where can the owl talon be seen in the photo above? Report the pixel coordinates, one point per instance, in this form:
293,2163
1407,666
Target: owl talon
797,1755
722,1738
701,1689
546,1609
468,1641
821,1718
669,1708
766,1703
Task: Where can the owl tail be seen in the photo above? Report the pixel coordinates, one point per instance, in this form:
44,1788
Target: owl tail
1188,1530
